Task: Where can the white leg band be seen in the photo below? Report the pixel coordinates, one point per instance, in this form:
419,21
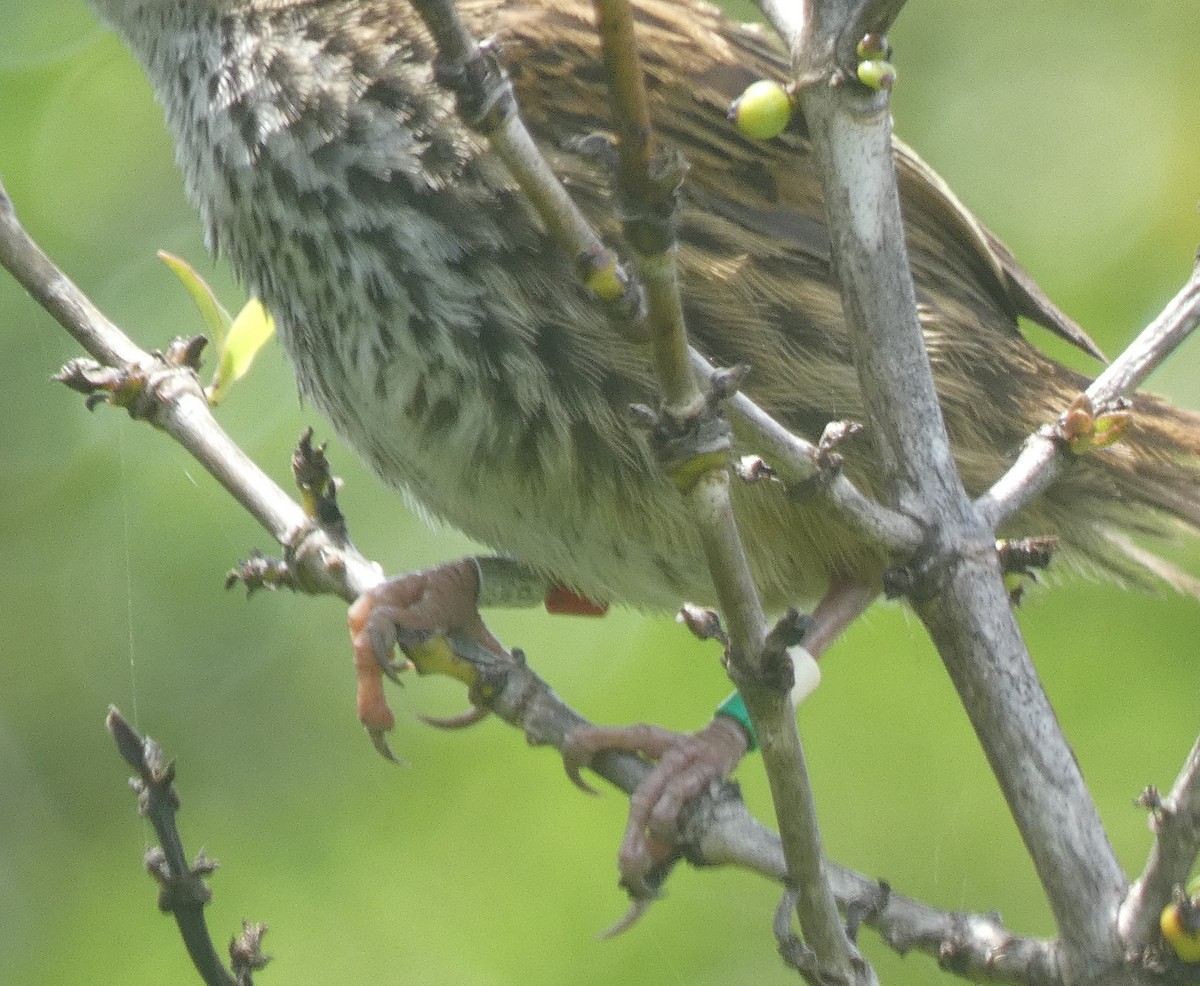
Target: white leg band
807,672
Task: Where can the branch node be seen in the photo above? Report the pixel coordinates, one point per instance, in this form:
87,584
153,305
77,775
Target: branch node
142,389
178,891
704,623
319,487
245,952
1089,425
483,93
688,444
933,565
184,351
866,907
1150,799
260,572
775,672
755,469
826,456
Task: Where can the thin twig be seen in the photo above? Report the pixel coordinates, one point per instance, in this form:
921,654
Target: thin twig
55,292
1176,823
174,401
182,890
799,461
648,181
487,104
1044,457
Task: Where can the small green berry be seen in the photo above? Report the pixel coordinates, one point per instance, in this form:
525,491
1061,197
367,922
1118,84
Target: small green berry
876,73
763,111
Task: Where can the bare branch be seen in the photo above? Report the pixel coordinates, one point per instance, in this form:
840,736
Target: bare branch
716,829
173,399
649,178
963,602
1175,820
486,103
1044,457
182,890
798,461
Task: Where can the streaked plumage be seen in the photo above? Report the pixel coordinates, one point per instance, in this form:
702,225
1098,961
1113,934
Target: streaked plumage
445,337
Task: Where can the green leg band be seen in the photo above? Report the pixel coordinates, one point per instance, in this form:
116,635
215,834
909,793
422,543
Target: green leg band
735,708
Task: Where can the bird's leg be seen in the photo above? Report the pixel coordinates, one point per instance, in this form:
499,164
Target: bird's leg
687,764
414,606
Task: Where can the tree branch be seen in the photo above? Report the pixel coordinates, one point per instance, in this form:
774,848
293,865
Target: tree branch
182,890
1175,820
1045,456
649,178
487,104
962,599
171,397
799,461
716,829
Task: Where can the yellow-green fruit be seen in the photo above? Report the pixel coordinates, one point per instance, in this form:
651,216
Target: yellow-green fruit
1180,924
877,73
763,111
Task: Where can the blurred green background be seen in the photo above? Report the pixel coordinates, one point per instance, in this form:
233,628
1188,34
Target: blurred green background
1071,128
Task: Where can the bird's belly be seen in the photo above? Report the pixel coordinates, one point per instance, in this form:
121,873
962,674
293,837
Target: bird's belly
614,531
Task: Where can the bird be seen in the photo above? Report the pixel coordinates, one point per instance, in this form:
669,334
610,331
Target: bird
435,322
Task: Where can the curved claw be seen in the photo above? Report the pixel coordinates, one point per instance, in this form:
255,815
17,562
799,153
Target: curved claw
462,720
643,874
381,636
572,768
575,756
627,920
379,741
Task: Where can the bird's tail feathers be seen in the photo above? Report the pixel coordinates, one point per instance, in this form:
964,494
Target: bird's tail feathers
1151,484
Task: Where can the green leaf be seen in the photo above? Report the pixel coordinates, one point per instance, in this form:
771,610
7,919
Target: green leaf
216,318
238,340
249,332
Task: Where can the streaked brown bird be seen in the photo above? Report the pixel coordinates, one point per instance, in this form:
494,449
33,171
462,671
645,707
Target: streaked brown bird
432,319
